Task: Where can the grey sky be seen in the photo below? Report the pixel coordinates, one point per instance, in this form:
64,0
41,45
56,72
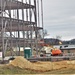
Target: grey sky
59,18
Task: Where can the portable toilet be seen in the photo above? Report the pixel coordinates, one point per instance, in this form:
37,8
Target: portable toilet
27,52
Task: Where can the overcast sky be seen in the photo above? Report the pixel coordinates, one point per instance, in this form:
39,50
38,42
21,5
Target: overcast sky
59,18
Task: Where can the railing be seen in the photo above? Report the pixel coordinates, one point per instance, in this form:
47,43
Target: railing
69,54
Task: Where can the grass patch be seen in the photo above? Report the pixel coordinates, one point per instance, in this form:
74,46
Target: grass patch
62,71
15,70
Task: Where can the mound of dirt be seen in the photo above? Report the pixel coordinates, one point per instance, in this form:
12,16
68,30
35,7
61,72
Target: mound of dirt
25,64
21,62
71,62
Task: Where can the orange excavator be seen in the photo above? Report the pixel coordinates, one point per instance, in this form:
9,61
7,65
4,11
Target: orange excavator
53,51
56,52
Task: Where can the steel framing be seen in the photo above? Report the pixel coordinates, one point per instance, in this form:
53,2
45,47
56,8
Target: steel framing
19,19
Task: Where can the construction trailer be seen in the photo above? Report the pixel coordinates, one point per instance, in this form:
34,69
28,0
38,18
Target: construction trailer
20,24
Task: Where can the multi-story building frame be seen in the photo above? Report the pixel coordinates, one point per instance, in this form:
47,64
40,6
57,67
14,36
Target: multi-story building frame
19,21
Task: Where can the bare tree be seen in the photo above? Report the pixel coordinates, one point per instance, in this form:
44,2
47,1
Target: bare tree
45,32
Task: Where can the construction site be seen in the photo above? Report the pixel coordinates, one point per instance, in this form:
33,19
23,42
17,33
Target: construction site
21,37
19,25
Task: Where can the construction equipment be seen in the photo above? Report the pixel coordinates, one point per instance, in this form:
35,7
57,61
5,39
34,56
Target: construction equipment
51,51
56,52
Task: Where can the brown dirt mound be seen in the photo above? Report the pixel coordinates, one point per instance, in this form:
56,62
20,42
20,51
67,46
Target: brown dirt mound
39,66
21,62
24,64
71,62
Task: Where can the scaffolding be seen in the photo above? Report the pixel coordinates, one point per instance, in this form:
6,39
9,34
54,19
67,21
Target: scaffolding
20,24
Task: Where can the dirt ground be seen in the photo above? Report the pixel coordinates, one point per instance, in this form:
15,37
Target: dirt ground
22,66
16,70
42,66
